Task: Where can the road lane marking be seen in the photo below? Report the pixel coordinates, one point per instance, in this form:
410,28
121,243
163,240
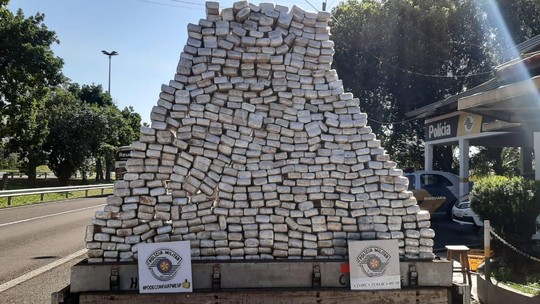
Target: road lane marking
40,270
49,215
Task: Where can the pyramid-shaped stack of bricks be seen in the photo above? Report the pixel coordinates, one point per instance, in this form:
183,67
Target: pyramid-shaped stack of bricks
256,152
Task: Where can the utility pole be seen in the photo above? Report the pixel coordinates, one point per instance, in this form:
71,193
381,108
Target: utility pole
324,6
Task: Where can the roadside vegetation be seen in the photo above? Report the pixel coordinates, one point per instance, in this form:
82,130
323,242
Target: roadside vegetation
36,198
532,288
20,181
46,119
512,205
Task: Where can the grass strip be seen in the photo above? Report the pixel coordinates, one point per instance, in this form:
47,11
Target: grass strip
36,198
531,288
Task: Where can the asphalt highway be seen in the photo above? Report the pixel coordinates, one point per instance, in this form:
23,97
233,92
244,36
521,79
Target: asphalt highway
38,245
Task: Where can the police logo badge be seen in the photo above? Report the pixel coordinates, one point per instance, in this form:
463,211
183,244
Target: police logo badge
373,261
164,264
468,123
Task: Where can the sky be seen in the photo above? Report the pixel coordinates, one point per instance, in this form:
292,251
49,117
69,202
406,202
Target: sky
149,36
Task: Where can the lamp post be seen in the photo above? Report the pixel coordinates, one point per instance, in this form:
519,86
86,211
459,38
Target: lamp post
110,54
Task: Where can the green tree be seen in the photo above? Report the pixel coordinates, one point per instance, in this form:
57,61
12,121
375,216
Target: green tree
74,133
128,131
521,17
92,94
400,55
28,69
388,53
113,137
27,136
132,126
495,160
509,203
121,127
8,160
29,72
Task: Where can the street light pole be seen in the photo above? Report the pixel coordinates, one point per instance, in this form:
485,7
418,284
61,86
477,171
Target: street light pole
110,54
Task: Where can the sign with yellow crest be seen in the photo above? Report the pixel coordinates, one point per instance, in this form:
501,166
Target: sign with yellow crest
165,267
374,265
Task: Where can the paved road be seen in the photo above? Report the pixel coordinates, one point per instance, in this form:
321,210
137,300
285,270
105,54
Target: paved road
37,237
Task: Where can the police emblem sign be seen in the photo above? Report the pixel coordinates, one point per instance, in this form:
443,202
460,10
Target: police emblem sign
165,267
374,265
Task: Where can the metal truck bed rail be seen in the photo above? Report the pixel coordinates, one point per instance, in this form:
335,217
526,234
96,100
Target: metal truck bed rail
258,281
220,275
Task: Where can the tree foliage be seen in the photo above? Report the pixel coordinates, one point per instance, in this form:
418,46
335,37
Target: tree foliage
28,69
92,94
127,124
28,66
74,132
496,160
7,161
521,17
131,128
509,203
120,127
400,55
44,118
27,136
85,128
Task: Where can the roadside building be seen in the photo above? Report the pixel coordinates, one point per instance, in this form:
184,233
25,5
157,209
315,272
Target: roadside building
502,112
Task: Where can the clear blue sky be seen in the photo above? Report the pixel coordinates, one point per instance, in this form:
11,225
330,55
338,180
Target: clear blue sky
149,36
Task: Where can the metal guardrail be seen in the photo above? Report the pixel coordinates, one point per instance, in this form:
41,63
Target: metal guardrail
42,191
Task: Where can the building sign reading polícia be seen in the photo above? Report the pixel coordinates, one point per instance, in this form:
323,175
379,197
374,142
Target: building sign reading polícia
165,267
461,124
374,265
440,129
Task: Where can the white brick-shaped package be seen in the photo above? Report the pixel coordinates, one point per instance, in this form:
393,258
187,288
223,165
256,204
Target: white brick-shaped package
255,151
